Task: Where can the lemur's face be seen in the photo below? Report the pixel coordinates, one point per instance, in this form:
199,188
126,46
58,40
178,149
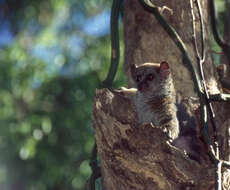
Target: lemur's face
150,76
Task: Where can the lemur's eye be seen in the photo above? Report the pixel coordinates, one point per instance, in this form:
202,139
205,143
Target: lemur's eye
150,77
138,78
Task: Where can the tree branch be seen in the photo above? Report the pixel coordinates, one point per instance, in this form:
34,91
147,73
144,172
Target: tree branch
220,97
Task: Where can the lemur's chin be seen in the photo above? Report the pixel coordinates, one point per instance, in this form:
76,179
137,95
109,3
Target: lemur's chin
144,86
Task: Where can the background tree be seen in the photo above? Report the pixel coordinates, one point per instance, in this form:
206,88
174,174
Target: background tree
140,158
53,55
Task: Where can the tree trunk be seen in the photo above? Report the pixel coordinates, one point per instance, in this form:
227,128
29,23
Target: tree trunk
141,157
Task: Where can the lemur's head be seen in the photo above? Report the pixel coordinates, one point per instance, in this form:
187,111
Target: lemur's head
150,76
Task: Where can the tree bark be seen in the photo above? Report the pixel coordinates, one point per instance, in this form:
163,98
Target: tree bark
142,157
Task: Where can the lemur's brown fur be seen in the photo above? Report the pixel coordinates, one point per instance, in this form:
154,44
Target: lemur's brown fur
155,97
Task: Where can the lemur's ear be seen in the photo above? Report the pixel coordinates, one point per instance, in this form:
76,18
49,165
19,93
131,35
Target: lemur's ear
133,71
164,69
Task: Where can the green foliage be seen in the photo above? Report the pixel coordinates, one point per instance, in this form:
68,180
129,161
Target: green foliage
48,74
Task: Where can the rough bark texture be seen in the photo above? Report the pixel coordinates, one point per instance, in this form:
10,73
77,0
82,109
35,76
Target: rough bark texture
135,157
141,157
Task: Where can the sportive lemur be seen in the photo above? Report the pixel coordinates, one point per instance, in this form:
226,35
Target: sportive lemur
155,96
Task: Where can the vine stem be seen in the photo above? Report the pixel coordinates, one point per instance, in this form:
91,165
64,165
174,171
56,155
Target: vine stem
115,43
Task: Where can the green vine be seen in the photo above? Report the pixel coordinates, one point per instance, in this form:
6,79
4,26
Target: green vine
115,43
107,83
